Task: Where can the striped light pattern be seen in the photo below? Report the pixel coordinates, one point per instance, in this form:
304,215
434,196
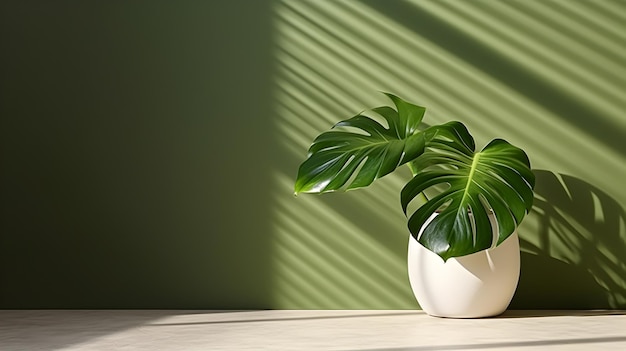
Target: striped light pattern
548,76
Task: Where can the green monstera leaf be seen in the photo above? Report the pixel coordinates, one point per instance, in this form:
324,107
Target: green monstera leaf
471,185
477,193
359,150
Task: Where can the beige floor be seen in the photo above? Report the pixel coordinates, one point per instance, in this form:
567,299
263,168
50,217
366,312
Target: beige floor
308,330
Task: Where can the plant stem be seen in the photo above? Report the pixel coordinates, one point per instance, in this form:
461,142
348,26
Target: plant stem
412,168
414,172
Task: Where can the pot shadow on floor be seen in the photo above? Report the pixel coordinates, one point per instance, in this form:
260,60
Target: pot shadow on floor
575,257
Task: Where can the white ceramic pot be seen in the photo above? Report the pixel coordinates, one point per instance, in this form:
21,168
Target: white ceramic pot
477,285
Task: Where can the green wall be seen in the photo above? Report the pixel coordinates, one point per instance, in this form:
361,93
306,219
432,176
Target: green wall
148,149
134,140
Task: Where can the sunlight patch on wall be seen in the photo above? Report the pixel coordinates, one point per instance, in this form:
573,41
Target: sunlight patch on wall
525,34
524,71
337,263
367,52
498,24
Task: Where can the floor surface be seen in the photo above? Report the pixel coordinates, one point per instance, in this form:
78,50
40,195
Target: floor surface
30,330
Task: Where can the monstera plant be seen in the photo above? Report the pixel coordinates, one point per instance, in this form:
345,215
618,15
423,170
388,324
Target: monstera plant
458,187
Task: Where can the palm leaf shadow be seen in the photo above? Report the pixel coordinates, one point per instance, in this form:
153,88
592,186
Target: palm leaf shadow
576,257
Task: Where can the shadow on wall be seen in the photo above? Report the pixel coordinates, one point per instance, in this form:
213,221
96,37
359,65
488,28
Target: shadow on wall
576,257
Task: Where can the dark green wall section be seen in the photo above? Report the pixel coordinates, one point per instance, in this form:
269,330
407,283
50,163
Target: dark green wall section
148,148
132,161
